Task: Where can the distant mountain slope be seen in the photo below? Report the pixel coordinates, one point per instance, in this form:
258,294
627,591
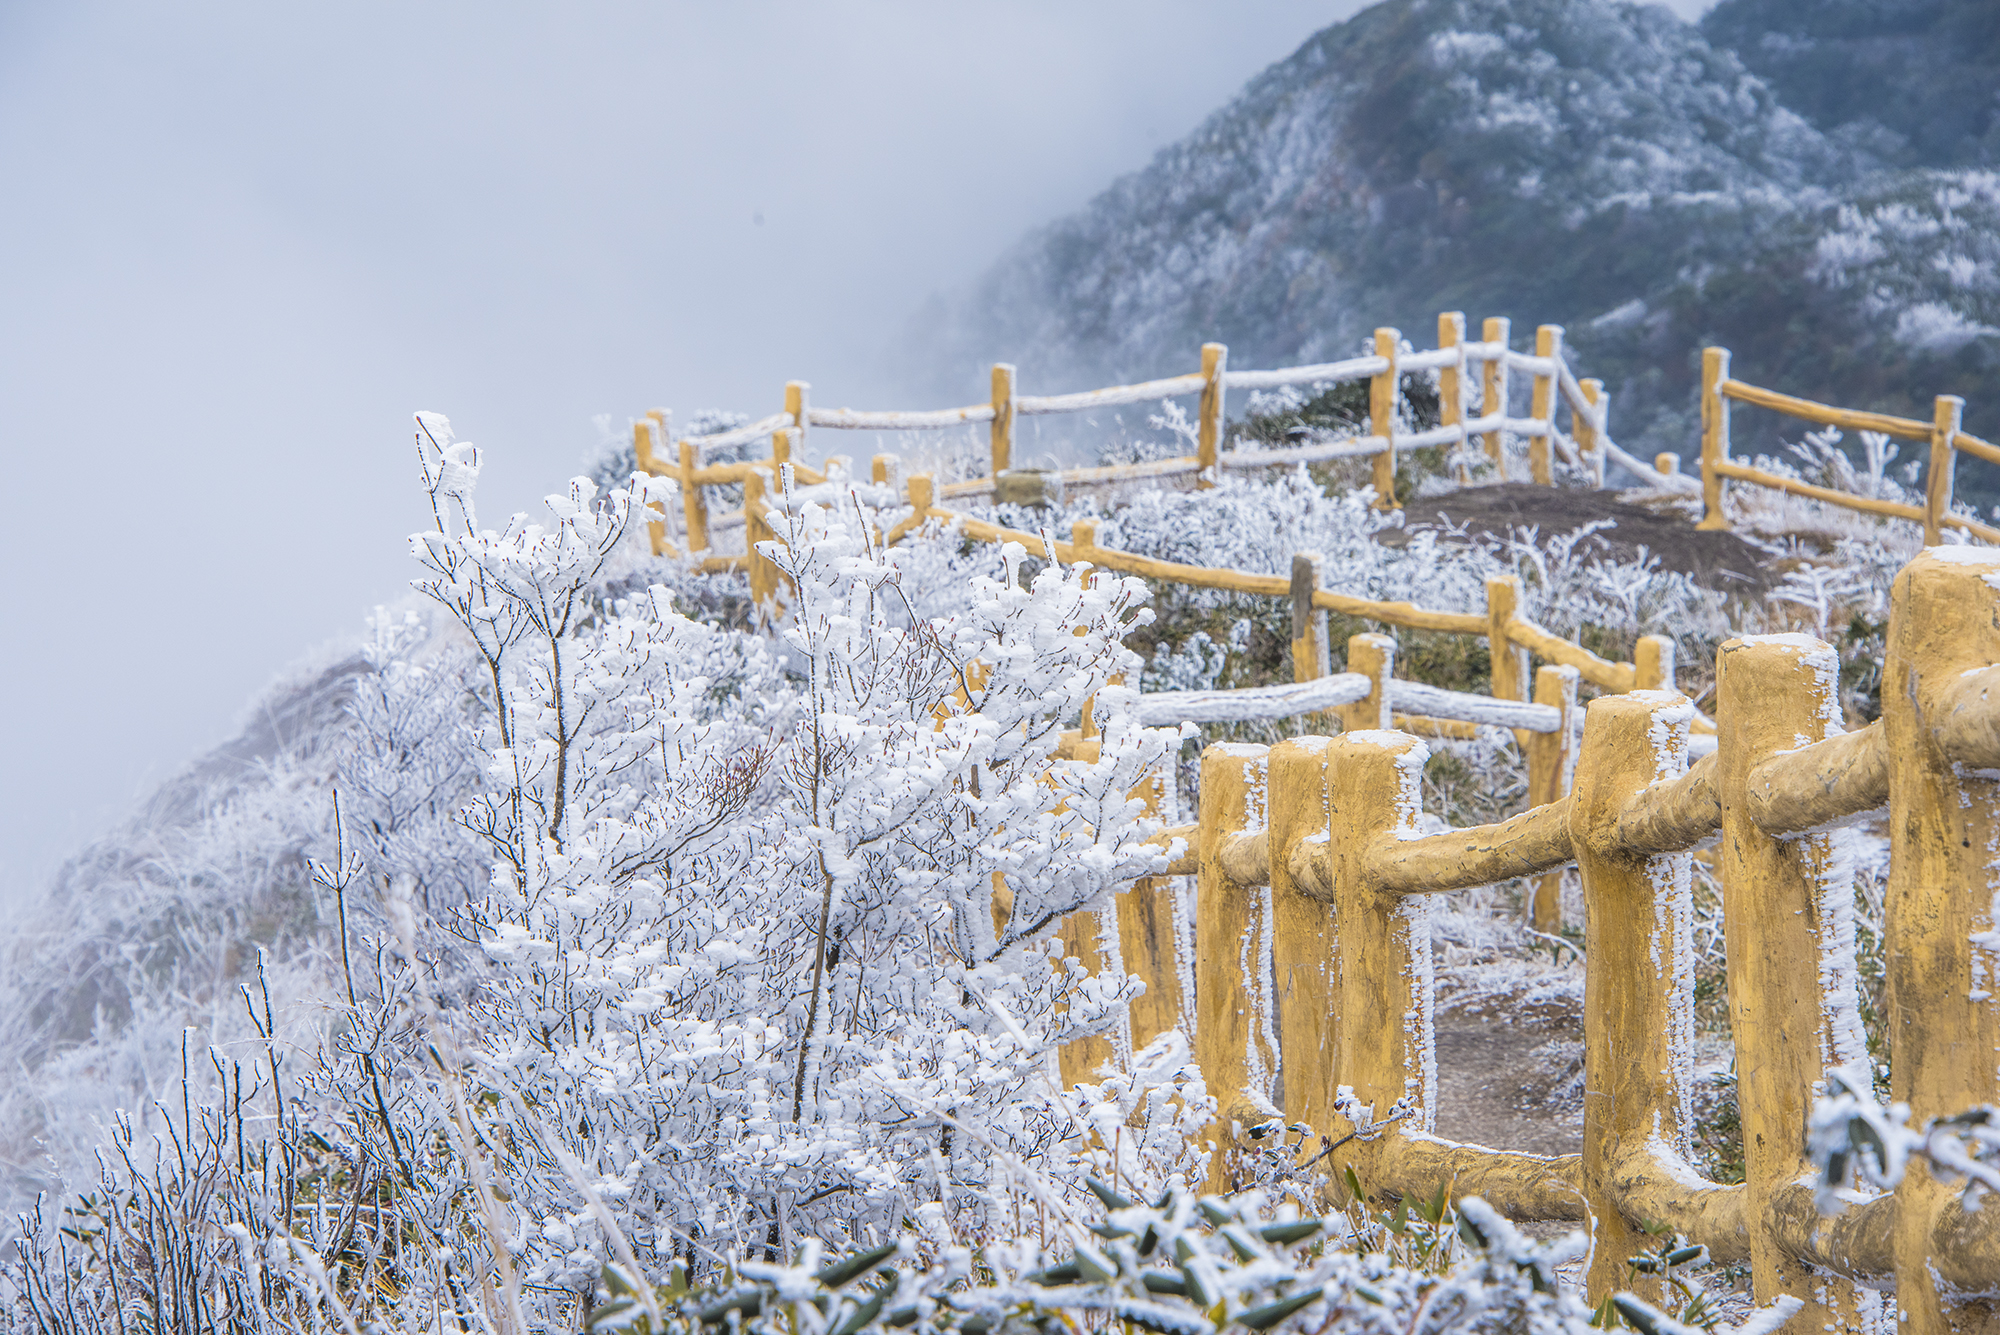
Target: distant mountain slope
1599,165
1926,72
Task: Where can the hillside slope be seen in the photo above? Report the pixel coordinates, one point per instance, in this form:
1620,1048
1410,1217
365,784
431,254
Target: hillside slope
1599,165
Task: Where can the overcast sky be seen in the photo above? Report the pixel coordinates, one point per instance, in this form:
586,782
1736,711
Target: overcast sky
242,242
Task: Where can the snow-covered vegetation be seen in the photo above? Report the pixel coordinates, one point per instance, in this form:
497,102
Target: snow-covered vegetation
1652,185
579,928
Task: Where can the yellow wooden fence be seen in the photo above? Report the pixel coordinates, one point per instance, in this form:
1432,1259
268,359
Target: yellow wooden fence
1458,362
1308,850
1947,441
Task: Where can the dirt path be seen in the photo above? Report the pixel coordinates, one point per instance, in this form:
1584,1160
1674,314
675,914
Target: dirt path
1509,1087
1719,560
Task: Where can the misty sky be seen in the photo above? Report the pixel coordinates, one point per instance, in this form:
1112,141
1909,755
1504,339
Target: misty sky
242,242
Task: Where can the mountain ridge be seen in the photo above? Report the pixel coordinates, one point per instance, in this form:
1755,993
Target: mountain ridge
1600,165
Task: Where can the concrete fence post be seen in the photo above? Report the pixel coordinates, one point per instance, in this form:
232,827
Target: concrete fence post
1311,654
1653,664
1003,418
1233,1039
1542,406
1384,1047
694,499
1551,765
1508,663
1374,657
757,529
1382,396
1787,911
1451,381
1147,938
1714,435
1302,937
798,402
1946,414
1589,440
648,434
1493,388
1638,1005
1208,444
1944,1015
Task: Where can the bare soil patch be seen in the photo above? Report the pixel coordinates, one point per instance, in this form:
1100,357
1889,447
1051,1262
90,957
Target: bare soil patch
1664,529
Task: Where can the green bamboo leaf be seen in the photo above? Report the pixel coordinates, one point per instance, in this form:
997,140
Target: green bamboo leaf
1270,1314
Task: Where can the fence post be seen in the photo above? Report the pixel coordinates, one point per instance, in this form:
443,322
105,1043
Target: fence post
1667,463
1787,912
1232,1032
1944,1022
694,500
1311,654
645,432
1451,381
1509,665
1653,664
1589,438
1551,764
1302,937
1383,1050
1946,414
1084,936
1638,1005
1374,657
756,529
1003,417
1214,363
1541,449
882,469
1714,435
1147,939
1382,397
1493,382
798,402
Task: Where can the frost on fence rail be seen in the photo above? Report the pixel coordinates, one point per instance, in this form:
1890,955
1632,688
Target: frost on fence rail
1115,396
1316,955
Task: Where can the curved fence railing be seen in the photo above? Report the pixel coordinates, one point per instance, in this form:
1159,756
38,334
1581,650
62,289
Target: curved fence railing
1308,851
1942,433
1476,380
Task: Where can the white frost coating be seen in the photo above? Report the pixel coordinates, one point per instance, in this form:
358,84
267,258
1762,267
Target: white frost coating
1830,863
1672,950
1349,448
1420,1028
855,419
742,435
1961,555
1667,730
1768,1318
1791,640
1167,708
1355,368
1700,744
1673,1162
1414,697
1265,985
1029,405
1671,940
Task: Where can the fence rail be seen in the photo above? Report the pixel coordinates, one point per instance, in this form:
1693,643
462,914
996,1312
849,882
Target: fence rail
1458,362
1308,851
1943,432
